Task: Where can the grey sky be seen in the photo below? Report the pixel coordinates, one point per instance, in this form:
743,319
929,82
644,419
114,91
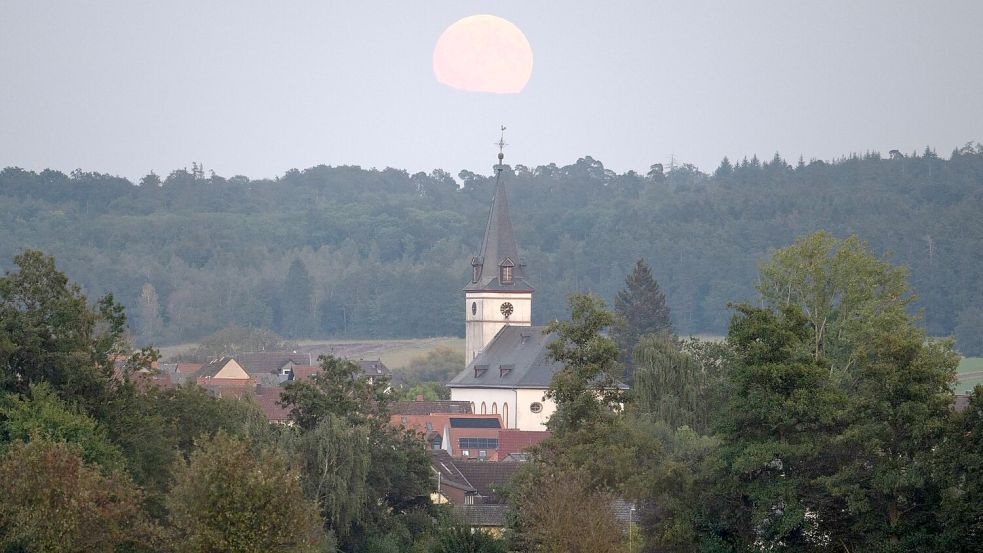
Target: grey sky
257,88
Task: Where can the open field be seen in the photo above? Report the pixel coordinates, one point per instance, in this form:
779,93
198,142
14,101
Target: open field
970,373
394,353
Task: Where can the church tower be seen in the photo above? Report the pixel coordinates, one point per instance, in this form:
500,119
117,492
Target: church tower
498,294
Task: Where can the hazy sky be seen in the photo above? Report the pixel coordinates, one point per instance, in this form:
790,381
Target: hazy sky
256,88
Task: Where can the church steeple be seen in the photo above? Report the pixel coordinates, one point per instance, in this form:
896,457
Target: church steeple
497,265
498,294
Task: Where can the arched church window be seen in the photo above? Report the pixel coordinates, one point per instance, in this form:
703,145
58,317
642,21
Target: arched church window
472,407
494,407
505,414
484,409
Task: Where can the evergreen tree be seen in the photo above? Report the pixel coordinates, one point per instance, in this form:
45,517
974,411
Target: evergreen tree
960,469
297,303
642,309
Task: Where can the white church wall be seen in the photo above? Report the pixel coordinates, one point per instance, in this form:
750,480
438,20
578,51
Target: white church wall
527,420
489,396
484,318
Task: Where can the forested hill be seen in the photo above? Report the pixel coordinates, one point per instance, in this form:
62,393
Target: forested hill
336,251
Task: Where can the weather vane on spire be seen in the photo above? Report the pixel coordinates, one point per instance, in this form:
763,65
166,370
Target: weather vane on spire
501,147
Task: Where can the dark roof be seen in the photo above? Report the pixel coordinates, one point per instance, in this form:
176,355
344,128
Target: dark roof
270,361
442,464
498,247
459,422
373,368
487,476
430,407
213,367
523,348
481,514
624,511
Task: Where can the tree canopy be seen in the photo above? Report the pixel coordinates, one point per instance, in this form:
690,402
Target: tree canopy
387,252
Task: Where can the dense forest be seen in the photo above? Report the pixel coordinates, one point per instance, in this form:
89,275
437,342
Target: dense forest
347,251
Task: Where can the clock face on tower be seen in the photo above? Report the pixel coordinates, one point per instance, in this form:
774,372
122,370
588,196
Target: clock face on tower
506,309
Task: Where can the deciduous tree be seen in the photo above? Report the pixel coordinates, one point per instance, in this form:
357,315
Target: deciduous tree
230,497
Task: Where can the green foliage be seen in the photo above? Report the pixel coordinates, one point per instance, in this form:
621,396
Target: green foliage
585,388
43,416
461,539
430,391
561,513
386,479
297,305
339,389
49,333
387,251
846,293
776,433
191,412
55,502
334,459
642,309
231,497
677,387
439,365
959,466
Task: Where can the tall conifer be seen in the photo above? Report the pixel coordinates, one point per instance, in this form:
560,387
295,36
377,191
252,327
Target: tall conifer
642,308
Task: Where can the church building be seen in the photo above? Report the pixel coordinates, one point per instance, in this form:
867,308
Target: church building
508,368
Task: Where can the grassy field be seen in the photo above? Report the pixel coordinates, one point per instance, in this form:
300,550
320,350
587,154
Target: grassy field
970,373
394,353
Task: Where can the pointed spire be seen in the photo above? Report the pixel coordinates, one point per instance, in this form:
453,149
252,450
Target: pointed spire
498,248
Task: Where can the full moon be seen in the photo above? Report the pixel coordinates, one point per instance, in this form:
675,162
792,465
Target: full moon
483,53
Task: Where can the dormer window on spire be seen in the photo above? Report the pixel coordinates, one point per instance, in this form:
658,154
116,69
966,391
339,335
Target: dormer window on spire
506,274
505,271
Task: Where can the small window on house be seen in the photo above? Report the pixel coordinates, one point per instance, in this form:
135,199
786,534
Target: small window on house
404,420
480,370
475,271
506,276
429,427
494,408
484,409
504,370
482,454
536,407
505,414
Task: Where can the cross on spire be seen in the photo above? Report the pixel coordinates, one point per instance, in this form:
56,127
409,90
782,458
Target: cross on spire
501,148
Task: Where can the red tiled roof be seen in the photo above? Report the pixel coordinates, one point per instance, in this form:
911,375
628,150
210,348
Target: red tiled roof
189,368
305,372
268,401
515,441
